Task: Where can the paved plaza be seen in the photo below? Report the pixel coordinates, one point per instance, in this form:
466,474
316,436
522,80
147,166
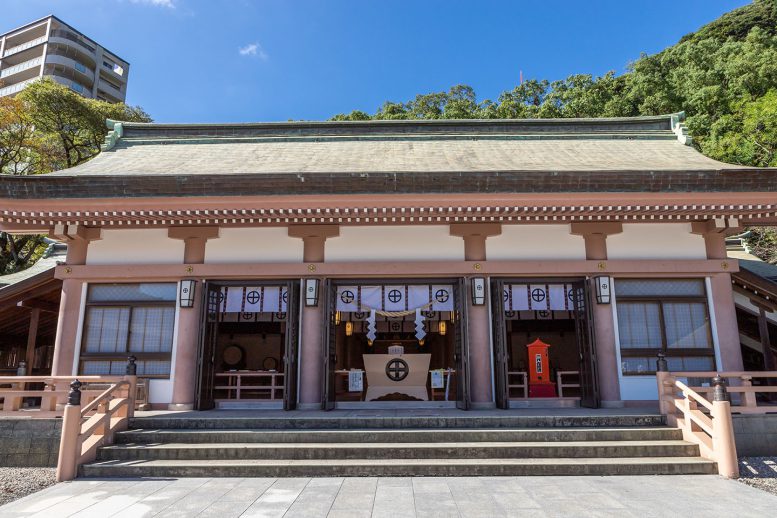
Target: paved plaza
659,496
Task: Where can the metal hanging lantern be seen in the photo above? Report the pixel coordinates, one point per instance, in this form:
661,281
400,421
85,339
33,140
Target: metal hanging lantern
603,289
186,295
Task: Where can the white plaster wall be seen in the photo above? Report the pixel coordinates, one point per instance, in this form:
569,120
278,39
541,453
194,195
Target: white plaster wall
395,243
135,246
639,388
254,245
526,242
656,241
160,391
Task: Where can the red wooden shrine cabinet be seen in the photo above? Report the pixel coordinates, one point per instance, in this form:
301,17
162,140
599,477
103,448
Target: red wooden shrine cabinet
540,382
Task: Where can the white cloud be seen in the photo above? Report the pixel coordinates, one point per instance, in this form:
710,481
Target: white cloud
159,3
253,49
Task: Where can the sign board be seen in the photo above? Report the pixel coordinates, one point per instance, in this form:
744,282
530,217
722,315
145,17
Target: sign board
438,381
355,381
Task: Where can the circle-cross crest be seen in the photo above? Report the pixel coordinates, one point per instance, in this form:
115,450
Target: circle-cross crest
397,369
442,296
347,296
394,296
252,297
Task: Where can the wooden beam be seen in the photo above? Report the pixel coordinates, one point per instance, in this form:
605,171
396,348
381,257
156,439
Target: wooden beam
763,331
43,305
37,291
32,338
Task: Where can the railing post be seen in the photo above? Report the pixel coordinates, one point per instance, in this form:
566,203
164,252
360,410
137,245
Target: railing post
132,378
662,377
748,398
69,444
723,441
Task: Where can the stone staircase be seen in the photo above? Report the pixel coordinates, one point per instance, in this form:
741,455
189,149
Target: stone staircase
398,446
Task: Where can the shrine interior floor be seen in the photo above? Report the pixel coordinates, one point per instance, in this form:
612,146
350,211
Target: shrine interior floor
471,497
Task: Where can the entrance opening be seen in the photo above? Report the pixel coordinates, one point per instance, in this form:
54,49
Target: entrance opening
427,371
543,344
249,346
527,378
395,345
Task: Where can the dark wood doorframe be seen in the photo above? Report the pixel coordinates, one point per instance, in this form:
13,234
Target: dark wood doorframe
584,330
461,346
291,348
586,344
501,356
329,345
209,323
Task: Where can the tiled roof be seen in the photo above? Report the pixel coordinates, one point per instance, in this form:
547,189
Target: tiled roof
55,253
760,268
625,144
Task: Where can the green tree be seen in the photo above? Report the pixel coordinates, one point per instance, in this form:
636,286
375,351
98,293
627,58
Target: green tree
45,128
18,145
72,126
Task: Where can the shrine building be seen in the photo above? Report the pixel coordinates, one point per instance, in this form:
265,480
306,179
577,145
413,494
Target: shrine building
401,264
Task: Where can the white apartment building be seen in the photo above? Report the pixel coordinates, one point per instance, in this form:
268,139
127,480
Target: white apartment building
50,48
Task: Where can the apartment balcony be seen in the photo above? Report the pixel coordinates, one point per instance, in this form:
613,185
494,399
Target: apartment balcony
70,83
24,46
21,67
71,39
18,87
86,75
111,92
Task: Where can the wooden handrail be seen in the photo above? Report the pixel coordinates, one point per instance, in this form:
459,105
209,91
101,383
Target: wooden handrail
560,385
107,394
724,374
15,389
41,379
525,385
711,427
688,392
86,428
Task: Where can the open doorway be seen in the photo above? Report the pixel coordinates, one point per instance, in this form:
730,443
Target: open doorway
543,343
248,347
395,345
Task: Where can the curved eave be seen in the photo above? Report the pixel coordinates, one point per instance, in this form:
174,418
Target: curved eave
275,184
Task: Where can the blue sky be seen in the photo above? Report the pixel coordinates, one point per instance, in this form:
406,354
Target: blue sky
270,60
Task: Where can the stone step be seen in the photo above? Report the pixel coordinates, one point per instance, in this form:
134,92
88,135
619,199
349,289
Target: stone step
376,451
369,421
400,467
397,436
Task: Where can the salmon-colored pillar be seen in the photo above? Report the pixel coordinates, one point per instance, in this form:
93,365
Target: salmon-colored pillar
714,233
65,346
595,237
478,317
189,319
312,350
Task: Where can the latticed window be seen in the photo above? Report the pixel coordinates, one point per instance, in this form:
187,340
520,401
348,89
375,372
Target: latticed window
664,315
128,319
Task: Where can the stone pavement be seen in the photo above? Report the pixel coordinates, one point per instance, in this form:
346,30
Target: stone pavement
643,497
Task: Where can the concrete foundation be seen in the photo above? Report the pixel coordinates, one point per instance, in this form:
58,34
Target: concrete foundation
29,443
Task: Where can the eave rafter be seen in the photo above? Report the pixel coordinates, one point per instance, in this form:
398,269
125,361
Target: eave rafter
384,214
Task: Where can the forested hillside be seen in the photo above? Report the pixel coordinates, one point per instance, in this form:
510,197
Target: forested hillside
723,76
